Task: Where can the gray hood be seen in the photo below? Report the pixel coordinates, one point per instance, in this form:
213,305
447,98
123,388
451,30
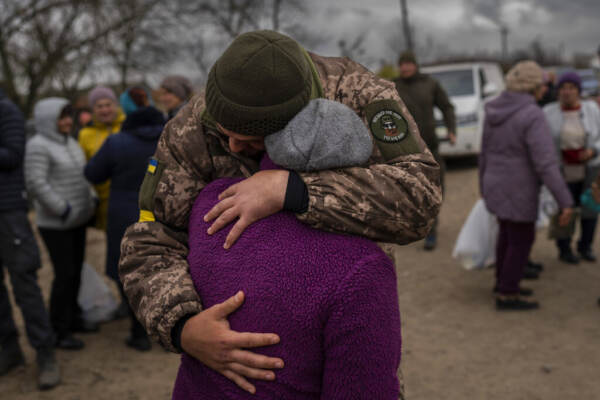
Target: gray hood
45,116
324,135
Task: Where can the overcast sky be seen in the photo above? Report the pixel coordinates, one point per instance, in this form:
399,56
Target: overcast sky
458,25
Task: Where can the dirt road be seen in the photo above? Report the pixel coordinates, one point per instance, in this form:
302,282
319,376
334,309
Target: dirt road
456,346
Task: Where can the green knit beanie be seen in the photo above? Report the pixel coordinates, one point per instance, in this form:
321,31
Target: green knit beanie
407,57
259,84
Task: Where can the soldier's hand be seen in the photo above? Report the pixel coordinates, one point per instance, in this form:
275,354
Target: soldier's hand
452,138
208,338
254,198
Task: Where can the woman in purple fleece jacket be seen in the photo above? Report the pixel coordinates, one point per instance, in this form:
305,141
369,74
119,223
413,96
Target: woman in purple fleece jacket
517,156
331,298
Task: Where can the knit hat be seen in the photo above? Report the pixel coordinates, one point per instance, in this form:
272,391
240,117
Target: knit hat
134,99
324,135
525,76
101,92
259,84
407,57
571,77
179,85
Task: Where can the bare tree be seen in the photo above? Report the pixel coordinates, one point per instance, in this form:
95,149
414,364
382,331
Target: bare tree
147,42
39,37
212,24
355,49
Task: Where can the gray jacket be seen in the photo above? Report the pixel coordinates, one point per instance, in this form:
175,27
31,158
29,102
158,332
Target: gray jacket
54,172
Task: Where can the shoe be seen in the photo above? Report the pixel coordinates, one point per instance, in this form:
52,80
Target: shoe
569,258
522,291
430,242
11,357
530,273
48,370
515,304
141,343
587,255
537,266
122,311
84,326
69,342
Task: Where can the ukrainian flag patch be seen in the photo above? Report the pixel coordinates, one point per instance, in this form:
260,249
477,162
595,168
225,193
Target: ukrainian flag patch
152,165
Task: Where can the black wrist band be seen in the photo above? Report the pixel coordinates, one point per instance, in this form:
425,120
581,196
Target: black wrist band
176,332
296,194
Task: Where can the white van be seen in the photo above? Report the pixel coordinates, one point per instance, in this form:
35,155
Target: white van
469,87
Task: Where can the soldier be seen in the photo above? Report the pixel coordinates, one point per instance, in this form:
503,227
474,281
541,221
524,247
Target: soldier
421,93
259,84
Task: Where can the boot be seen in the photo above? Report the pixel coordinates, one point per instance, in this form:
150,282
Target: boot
139,343
430,241
48,370
69,342
568,257
11,357
515,304
536,266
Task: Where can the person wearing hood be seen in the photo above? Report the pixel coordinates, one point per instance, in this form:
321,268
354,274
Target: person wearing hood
107,118
175,91
20,256
343,339
575,127
517,156
123,159
422,93
64,203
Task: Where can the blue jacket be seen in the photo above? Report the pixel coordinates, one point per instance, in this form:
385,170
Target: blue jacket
123,158
12,151
587,201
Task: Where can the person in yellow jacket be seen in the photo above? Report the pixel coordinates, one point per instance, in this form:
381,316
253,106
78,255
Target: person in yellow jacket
107,118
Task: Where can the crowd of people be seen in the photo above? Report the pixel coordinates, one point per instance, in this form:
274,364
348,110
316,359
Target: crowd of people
271,188
82,168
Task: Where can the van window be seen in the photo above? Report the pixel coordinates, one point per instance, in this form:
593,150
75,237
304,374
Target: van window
456,83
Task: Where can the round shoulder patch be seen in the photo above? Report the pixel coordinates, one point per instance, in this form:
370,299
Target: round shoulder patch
389,126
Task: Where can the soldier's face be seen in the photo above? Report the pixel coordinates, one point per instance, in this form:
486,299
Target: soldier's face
245,144
407,69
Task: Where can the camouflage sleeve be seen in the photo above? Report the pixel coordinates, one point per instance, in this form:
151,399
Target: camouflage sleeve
393,199
153,265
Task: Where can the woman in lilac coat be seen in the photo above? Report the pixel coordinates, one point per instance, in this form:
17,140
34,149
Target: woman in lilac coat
331,298
517,156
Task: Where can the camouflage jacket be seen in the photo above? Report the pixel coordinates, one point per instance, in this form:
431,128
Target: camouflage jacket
393,199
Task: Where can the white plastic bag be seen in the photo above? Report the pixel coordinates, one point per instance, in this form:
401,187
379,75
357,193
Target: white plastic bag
475,247
95,298
546,209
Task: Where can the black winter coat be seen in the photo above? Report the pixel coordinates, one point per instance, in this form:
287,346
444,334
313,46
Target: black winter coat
12,152
123,158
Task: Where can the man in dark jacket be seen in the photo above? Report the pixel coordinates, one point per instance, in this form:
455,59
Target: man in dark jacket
20,255
421,93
